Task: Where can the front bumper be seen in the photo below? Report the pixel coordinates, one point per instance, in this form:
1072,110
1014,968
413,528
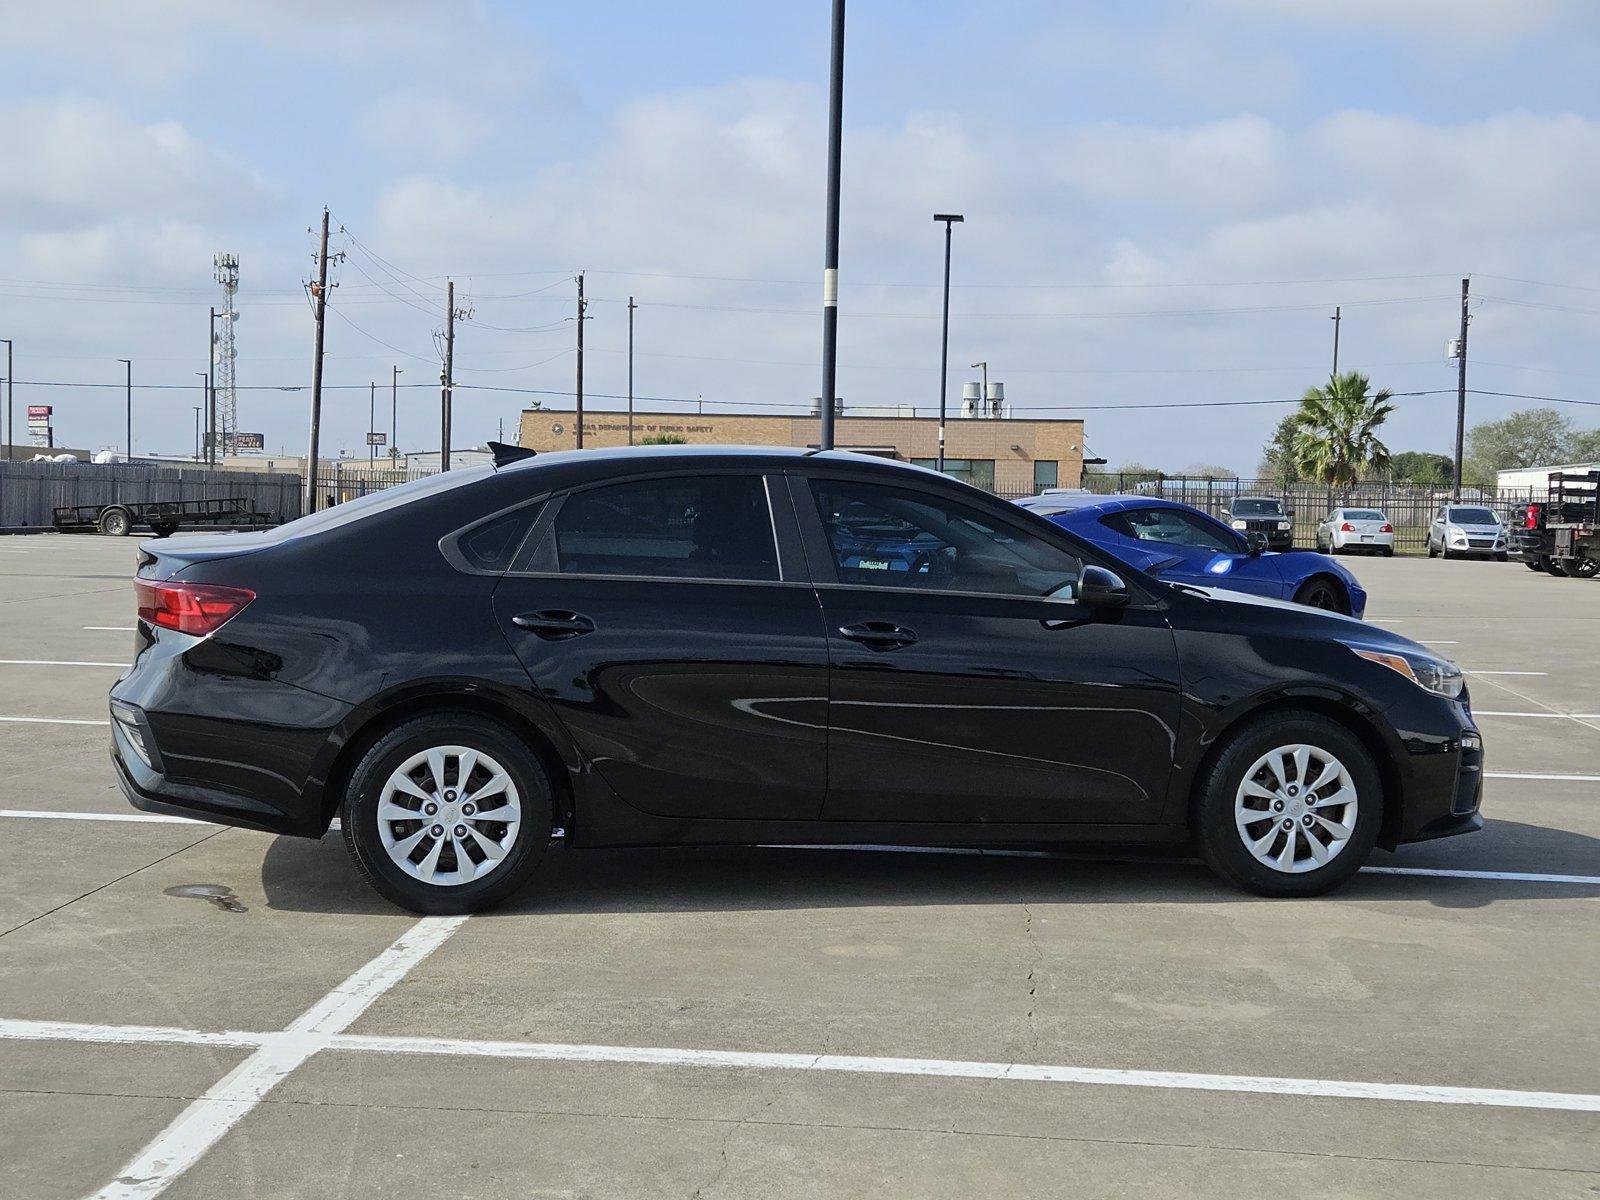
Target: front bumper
1444,784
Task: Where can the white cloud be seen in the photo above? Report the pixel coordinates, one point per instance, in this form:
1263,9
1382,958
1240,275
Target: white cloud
1481,22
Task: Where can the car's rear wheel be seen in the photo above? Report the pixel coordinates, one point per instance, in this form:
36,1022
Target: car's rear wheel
1579,568
447,813
1290,807
1321,592
1535,564
1387,551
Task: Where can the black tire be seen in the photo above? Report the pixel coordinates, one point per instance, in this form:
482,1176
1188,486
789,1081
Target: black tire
1533,565
1552,567
1579,568
359,809
1386,551
1502,557
1222,843
1432,553
115,522
1324,592
163,528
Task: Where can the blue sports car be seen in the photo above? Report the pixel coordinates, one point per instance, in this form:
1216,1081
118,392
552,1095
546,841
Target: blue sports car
1174,541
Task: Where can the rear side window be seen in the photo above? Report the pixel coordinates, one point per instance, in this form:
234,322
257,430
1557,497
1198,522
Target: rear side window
712,527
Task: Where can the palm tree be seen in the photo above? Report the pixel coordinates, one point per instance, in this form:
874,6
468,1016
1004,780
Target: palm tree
1336,430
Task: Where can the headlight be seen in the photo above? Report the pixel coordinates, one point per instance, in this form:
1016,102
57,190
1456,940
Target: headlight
1238,524
1432,674
1283,525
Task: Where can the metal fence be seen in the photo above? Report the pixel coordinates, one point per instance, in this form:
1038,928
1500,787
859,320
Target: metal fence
1410,508
30,491
340,484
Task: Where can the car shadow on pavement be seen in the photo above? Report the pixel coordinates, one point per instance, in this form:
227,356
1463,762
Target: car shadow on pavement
317,876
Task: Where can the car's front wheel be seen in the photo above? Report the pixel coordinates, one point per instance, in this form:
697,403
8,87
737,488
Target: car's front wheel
1321,592
447,813
1290,807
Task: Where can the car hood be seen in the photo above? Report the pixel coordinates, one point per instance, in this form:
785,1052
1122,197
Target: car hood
1319,622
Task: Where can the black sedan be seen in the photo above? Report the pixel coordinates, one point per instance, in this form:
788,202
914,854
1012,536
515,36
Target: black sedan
688,645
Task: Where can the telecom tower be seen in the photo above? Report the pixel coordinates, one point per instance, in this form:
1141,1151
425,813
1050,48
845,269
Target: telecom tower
224,352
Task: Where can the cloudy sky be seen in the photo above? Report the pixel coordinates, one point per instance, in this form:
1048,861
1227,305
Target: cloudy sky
1164,203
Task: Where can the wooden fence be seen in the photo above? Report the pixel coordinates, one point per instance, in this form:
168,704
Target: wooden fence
29,491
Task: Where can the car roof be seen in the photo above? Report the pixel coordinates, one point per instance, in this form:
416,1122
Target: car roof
1047,504
584,465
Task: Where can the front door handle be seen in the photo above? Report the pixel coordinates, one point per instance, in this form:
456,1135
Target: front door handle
879,635
554,624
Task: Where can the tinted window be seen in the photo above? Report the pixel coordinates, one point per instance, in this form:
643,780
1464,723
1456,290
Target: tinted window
1473,516
1362,514
717,527
1257,508
492,545
886,537
1173,526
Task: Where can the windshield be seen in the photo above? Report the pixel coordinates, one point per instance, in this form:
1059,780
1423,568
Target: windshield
1473,516
1257,508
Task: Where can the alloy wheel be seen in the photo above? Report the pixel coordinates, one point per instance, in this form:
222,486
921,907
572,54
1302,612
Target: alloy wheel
1296,808
449,815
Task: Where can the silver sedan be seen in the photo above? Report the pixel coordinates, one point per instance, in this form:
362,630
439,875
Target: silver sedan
1356,529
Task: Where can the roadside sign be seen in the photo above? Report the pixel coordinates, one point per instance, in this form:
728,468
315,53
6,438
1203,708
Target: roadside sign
39,424
377,439
250,441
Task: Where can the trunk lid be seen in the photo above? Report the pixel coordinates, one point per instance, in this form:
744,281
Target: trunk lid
165,558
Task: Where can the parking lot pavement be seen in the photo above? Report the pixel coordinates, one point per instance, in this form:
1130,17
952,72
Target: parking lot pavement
1046,1025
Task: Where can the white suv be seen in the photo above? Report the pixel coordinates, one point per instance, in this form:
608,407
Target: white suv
1466,531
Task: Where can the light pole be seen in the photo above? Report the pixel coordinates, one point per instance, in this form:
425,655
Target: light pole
394,409
830,257
205,398
372,417
950,220
128,362
197,432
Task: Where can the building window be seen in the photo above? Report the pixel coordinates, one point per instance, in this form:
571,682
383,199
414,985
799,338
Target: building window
1045,474
977,471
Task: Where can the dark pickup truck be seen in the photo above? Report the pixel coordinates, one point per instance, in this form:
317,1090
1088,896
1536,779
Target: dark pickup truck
1560,535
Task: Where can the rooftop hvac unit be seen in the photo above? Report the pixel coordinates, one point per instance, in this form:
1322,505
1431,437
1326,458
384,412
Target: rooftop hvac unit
971,400
816,406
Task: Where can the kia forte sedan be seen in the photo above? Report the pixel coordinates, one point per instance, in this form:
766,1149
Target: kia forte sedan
688,646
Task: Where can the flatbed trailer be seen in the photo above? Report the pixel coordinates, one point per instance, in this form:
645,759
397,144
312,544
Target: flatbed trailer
1561,534
161,517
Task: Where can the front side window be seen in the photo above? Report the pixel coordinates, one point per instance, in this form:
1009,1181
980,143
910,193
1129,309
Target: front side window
714,527
888,537
1173,526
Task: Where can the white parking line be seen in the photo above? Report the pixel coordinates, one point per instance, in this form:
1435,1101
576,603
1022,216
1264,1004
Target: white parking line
50,721
1557,778
41,814
1437,642
54,662
1553,716
197,1128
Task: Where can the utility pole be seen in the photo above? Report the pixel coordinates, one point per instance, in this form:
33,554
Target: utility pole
447,376
11,395
1461,388
394,409
830,255
128,362
631,307
1336,319
211,395
205,396
578,419
319,300
197,432
372,418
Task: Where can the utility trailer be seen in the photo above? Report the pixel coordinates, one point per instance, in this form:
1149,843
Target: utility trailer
1561,534
162,517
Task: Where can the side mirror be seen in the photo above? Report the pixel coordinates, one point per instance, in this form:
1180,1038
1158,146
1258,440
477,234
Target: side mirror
1257,542
1100,588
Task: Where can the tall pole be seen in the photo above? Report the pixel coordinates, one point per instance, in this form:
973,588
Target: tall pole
128,362
211,393
11,395
1461,389
1336,319
577,422
197,432
983,396
394,410
372,419
320,308
631,307
830,256
447,376
949,220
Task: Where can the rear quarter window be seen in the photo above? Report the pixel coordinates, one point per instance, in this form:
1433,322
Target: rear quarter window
490,546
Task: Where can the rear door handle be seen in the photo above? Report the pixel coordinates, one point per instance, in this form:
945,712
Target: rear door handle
554,624
879,635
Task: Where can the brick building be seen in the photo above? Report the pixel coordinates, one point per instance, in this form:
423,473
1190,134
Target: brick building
1011,456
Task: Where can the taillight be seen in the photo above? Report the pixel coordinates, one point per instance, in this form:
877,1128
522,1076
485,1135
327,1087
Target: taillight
1386,528
193,608
1347,528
